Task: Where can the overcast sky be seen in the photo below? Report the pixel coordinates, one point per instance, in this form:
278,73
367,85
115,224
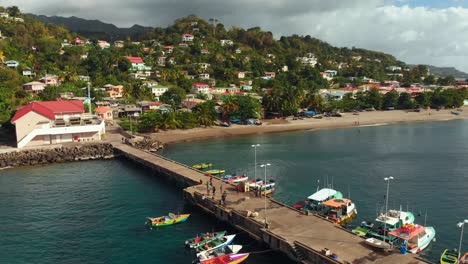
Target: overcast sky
415,31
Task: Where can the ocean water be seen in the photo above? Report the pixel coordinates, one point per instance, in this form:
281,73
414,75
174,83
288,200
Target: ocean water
94,212
429,162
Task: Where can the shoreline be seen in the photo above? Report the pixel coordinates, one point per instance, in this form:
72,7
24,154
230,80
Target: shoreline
364,119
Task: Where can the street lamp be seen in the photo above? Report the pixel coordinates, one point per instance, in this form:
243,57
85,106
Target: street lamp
461,224
255,164
264,183
387,179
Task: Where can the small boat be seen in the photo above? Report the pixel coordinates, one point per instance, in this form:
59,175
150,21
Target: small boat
415,237
253,184
202,166
314,201
377,243
227,259
342,211
235,179
464,259
363,229
268,188
218,243
167,220
214,172
203,239
455,113
390,221
449,257
210,254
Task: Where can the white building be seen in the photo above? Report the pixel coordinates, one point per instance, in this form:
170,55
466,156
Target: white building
200,88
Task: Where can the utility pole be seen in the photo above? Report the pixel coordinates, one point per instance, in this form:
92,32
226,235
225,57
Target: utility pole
89,98
255,164
386,206
265,195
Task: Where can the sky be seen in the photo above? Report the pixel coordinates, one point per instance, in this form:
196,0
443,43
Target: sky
415,31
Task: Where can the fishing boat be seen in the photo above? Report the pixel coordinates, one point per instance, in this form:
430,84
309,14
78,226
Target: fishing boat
169,219
340,210
227,259
215,172
377,243
415,238
202,166
235,179
385,223
455,113
203,239
449,257
268,188
253,184
218,243
464,259
209,254
314,201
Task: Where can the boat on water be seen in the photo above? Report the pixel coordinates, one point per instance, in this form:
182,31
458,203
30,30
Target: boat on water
464,259
314,201
449,257
455,113
415,238
253,184
340,210
169,219
227,259
202,166
235,179
268,188
215,172
384,223
202,239
377,243
210,254
218,243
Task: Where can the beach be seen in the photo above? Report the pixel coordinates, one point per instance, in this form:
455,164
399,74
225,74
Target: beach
361,119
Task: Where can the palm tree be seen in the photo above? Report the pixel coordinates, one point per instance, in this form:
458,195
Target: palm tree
205,113
229,106
169,121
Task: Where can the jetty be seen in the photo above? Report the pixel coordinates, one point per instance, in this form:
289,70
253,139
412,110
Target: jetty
303,238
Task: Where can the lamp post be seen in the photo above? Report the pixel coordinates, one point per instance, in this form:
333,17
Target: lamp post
461,224
255,164
264,183
386,205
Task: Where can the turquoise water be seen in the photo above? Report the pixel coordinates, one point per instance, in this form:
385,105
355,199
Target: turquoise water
429,162
94,212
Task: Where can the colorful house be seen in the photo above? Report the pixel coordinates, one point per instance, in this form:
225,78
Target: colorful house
104,112
200,88
35,87
138,64
187,37
55,122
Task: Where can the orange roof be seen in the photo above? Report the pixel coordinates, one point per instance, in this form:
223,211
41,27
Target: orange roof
336,202
103,109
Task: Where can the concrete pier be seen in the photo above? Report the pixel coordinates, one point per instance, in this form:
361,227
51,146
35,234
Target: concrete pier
303,238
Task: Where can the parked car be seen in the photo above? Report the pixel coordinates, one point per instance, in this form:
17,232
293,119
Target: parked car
235,120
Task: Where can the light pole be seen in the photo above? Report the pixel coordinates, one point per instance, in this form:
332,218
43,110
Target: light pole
255,164
461,224
386,205
264,184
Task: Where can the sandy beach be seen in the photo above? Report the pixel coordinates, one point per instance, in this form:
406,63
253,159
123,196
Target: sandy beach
284,125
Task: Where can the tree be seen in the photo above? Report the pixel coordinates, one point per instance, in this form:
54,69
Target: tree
206,113
149,121
228,107
13,11
248,107
423,100
373,98
390,99
173,96
124,64
405,101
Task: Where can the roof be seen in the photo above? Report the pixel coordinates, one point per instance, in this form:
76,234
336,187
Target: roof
407,232
336,202
103,109
200,84
187,35
322,195
135,59
34,83
50,108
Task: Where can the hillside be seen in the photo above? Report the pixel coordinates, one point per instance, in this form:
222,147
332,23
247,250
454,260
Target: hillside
94,28
448,71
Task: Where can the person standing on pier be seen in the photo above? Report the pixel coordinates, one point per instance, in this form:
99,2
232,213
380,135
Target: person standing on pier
223,198
214,190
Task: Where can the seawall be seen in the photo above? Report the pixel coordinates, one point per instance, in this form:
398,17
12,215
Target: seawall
68,153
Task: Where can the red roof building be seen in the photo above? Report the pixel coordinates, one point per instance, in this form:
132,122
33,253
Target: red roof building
49,109
135,59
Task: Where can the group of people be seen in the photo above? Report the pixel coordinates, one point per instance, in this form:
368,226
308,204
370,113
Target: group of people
211,189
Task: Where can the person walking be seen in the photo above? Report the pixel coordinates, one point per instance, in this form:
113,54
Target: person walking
223,198
214,190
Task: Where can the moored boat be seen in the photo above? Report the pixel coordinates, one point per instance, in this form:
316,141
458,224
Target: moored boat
464,259
218,243
314,201
227,259
235,179
268,188
203,239
253,184
377,243
169,219
385,223
202,165
210,254
415,238
342,211
215,172
449,257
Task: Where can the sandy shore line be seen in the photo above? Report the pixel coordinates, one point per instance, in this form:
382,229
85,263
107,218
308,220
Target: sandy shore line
280,125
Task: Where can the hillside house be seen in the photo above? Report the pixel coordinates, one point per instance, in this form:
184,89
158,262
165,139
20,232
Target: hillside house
327,76
203,66
52,80
168,49
192,102
103,44
104,112
200,88
269,75
55,122
28,72
204,51
238,51
114,91
78,42
226,42
204,76
35,87
240,75
119,43
332,73
187,37
138,64
4,15
158,90
393,68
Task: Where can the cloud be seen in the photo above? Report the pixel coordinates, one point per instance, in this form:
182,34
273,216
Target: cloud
413,34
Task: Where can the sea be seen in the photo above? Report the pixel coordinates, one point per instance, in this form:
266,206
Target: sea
94,211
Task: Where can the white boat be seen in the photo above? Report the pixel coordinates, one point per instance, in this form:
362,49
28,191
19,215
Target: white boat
267,188
377,243
253,184
213,253
341,210
226,240
314,201
415,237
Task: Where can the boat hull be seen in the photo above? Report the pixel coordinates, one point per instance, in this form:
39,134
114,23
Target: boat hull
430,234
377,243
170,221
205,239
227,259
449,257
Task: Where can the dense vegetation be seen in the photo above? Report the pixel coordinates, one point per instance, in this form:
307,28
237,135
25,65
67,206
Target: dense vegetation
38,46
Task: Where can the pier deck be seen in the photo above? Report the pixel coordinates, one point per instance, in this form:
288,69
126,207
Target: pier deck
302,237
